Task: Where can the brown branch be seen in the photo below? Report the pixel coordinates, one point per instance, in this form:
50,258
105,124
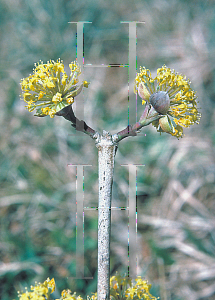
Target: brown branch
79,125
149,115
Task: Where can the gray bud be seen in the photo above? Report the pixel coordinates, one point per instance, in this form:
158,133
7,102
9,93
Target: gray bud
160,101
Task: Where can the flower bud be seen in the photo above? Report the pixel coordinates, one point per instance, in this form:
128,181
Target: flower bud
160,101
143,92
165,124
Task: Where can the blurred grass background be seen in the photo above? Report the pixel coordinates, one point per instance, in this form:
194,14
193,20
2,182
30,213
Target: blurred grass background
176,223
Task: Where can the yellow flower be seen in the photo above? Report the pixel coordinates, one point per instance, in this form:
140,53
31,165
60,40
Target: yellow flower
85,83
40,291
130,293
70,100
50,89
180,108
67,295
57,98
50,284
121,288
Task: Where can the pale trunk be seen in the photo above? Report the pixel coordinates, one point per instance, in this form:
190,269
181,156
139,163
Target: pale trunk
106,154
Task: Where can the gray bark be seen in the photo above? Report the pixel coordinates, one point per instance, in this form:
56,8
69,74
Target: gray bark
106,154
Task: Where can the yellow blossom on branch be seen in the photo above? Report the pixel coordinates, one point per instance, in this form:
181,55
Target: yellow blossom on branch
179,108
121,288
50,89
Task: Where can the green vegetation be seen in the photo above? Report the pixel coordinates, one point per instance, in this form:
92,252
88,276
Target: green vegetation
175,188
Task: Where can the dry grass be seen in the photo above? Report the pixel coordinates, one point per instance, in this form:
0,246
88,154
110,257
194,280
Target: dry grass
176,222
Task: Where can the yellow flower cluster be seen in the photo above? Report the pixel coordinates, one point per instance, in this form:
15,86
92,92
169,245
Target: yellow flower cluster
68,295
40,291
50,89
183,107
121,288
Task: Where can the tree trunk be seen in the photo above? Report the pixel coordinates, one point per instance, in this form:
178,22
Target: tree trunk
106,154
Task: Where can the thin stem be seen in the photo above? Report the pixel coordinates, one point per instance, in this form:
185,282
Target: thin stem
149,115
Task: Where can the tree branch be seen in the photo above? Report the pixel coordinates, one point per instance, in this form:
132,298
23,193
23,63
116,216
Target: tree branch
149,115
79,125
